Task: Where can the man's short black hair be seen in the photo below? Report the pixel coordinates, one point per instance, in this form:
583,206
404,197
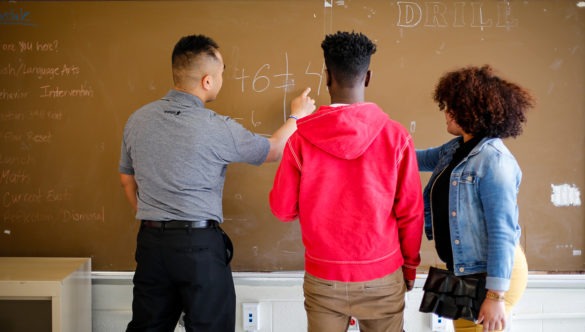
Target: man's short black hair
347,55
190,47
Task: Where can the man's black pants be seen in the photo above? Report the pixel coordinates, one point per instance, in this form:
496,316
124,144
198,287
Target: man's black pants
182,270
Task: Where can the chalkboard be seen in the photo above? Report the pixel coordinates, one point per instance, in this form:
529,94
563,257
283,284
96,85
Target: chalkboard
72,72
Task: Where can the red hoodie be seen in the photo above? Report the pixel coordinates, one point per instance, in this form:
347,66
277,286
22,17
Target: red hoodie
349,173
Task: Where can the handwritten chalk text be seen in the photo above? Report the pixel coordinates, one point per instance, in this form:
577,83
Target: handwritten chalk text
266,77
13,94
27,217
16,17
37,114
84,216
49,91
40,72
437,14
17,160
29,137
9,176
37,196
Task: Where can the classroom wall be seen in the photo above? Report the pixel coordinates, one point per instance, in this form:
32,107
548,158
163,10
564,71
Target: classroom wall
551,303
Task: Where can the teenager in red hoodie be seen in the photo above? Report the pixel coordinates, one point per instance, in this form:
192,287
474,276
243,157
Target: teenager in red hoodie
349,174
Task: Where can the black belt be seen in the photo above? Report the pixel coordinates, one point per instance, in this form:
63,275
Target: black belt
178,224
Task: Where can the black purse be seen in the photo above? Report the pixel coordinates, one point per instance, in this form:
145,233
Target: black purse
453,297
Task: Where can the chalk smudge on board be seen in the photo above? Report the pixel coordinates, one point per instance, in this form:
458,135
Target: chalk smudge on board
565,195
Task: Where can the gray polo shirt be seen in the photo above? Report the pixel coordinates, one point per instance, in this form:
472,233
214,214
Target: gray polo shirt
178,152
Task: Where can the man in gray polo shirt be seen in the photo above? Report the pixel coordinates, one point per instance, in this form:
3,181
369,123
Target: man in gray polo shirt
172,167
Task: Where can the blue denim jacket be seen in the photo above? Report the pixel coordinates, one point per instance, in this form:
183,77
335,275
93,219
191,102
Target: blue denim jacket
483,207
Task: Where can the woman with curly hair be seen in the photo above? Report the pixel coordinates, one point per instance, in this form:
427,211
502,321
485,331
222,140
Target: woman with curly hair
471,209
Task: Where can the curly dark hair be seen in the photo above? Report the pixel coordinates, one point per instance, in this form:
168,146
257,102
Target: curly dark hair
347,55
483,104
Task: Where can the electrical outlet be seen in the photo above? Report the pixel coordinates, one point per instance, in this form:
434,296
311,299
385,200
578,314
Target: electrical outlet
353,325
438,323
250,317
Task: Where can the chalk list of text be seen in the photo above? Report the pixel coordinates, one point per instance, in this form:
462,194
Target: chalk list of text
36,76
40,76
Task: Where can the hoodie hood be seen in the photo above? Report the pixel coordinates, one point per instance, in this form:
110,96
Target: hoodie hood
346,131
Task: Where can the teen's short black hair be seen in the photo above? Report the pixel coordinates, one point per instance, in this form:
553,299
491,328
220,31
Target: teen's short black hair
347,55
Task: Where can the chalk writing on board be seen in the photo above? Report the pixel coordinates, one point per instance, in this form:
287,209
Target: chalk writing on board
29,137
318,74
30,46
27,217
84,216
17,94
13,198
52,46
9,176
63,215
18,160
263,79
287,80
58,195
21,69
8,47
40,72
49,79
12,116
437,14
51,91
26,115
254,122
16,17
36,196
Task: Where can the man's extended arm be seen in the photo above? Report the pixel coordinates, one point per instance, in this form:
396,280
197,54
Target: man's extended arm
300,106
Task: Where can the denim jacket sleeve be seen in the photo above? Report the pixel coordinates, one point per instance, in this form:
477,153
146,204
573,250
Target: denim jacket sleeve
428,159
498,192
436,158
